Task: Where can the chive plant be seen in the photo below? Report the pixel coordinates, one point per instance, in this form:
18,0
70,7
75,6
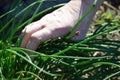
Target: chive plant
95,58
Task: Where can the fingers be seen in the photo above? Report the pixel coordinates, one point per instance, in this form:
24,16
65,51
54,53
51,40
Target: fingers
43,35
29,30
38,37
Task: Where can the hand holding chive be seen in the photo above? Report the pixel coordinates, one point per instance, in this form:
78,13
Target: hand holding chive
59,23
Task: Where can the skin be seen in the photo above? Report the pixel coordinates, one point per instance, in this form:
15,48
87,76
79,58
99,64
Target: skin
59,23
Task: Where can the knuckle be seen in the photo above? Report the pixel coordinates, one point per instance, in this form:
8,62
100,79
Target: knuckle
34,37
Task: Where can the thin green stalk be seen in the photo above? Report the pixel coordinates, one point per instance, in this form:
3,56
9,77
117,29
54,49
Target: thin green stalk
64,63
88,49
103,26
28,50
26,8
71,34
107,78
8,23
114,45
107,63
115,31
84,58
8,12
25,15
108,40
36,11
38,54
26,54
41,70
28,72
2,77
86,40
13,31
69,57
82,72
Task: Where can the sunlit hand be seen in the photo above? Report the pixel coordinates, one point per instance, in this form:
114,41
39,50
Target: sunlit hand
56,24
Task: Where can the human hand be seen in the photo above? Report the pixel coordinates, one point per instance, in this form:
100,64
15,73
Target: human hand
57,24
